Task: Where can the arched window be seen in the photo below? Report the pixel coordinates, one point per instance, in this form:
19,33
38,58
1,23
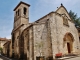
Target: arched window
24,11
18,12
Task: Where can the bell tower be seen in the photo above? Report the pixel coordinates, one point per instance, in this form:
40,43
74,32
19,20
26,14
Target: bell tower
21,14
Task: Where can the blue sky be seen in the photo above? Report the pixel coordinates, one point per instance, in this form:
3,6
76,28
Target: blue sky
38,9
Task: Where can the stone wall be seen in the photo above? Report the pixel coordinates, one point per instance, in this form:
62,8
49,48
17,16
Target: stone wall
16,43
44,37
42,41
58,31
31,44
10,48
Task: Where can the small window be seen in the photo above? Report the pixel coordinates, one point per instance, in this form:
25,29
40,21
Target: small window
65,21
24,11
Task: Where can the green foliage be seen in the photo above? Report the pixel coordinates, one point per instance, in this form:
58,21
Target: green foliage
0,48
75,18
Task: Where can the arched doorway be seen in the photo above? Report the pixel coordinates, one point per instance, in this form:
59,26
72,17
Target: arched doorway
68,42
68,47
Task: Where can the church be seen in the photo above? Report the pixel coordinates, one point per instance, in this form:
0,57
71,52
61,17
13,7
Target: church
51,34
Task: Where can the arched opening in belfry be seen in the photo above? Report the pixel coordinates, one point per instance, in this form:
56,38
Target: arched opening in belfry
68,42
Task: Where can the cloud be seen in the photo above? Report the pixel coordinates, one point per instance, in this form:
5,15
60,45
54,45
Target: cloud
8,37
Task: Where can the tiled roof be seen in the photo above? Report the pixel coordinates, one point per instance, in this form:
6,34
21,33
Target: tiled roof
8,42
3,39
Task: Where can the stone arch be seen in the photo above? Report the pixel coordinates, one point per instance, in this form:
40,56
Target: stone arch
21,46
70,35
24,45
68,42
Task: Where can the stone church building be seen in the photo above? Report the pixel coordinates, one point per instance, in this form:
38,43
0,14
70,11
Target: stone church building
51,34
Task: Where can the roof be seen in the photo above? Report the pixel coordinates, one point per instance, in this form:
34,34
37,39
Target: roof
44,16
20,4
3,39
8,42
55,12
65,10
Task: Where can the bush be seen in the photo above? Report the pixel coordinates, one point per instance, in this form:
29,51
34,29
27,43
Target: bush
1,49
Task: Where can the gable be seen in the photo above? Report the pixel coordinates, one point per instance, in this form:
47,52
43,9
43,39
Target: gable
62,10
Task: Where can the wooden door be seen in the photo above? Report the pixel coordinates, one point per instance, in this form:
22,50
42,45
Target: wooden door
68,47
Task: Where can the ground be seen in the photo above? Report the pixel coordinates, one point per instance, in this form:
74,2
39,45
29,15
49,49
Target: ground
76,58
5,58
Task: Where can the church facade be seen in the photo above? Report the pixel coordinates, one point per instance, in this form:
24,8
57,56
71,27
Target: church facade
52,34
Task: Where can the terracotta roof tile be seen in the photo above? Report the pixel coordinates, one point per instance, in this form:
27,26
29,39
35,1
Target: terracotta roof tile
3,39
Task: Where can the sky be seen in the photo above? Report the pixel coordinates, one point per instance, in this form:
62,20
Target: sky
38,9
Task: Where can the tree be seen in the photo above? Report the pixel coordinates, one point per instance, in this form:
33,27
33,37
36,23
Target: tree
1,49
75,18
